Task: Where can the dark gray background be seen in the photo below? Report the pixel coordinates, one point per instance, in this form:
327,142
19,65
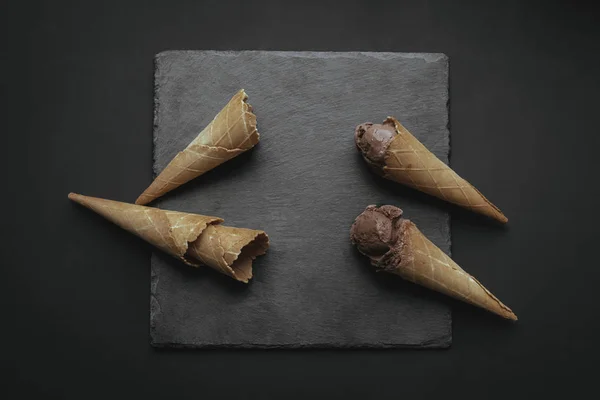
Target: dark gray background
77,93
303,184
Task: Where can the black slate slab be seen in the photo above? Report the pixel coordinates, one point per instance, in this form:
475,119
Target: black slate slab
303,184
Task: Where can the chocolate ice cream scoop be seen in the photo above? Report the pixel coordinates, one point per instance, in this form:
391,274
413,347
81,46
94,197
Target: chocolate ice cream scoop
373,140
375,231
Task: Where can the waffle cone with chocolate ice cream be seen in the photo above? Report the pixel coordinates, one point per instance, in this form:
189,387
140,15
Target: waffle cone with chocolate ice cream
192,238
397,246
394,153
231,132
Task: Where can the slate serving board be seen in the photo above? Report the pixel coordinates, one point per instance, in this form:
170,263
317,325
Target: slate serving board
304,184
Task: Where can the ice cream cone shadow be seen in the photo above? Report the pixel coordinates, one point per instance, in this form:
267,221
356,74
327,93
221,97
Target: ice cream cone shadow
116,237
473,220
200,274
405,290
135,244
479,318
193,239
239,166
390,285
405,194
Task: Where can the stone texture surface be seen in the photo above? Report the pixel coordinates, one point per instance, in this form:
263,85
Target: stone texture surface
304,184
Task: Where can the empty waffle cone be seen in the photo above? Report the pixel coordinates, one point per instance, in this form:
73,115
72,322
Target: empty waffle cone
423,263
231,132
409,162
192,238
229,250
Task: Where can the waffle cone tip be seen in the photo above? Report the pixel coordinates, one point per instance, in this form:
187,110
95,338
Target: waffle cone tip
76,197
143,200
511,315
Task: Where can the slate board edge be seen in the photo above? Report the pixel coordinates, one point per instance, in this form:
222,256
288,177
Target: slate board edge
429,57
443,342
439,343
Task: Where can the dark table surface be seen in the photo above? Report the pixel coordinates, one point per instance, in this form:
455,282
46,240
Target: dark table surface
77,90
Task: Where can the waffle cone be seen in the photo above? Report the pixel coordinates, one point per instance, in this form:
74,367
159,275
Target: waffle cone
230,250
231,132
423,263
192,238
409,162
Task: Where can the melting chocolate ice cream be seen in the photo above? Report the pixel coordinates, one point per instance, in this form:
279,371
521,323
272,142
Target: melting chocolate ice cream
373,141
